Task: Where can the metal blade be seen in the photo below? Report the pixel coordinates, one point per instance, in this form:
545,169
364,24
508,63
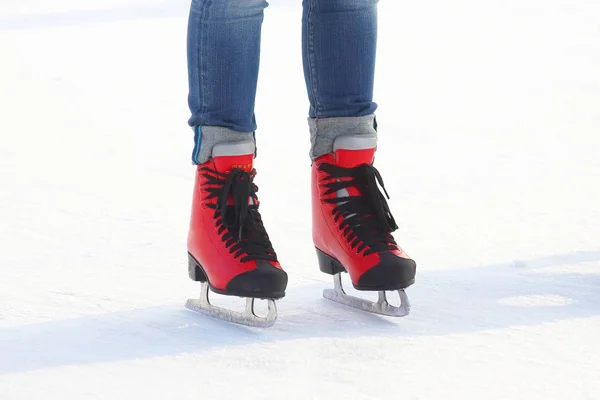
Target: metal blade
248,317
382,306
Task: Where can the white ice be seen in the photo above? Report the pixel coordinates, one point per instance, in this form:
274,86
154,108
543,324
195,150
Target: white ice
489,125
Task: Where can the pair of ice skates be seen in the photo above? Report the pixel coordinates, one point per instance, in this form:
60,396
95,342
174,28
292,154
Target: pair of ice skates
230,253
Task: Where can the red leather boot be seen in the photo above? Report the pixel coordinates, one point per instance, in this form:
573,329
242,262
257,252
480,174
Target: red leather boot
352,226
228,247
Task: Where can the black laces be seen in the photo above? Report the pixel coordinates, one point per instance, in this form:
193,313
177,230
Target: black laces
240,223
366,219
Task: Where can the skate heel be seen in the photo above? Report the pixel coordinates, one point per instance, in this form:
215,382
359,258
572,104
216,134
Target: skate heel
195,271
328,264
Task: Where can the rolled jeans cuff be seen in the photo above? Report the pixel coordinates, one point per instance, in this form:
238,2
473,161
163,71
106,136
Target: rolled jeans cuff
206,137
324,131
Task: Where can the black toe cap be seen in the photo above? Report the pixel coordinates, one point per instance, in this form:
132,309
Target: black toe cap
264,282
392,273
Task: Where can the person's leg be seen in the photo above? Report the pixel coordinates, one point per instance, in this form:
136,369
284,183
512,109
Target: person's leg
339,39
352,223
229,250
223,61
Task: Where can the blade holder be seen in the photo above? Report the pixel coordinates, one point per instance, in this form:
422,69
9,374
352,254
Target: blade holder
248,317
382,306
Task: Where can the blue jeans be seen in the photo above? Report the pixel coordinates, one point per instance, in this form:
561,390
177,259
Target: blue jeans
338,47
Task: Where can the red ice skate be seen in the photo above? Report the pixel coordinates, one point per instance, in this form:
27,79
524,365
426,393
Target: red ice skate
229,250
352,227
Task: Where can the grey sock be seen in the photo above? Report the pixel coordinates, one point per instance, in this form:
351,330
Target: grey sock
324,131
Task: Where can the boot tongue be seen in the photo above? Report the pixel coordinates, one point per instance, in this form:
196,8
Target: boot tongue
354,150
228,156
232,155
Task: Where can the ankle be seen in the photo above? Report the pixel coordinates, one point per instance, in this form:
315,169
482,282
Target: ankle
325,131
207,137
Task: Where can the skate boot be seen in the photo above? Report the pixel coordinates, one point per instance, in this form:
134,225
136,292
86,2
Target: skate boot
352,227
229,250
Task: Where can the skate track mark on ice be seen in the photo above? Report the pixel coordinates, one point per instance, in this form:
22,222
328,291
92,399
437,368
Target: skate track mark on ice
445,302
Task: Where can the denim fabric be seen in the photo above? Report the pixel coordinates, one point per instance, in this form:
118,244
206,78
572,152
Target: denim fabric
339,39
223,62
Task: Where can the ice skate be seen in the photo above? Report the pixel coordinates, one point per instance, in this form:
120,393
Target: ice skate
352,227
229,250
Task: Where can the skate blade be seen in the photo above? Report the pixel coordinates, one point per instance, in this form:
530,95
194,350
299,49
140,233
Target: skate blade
381,307
247,318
